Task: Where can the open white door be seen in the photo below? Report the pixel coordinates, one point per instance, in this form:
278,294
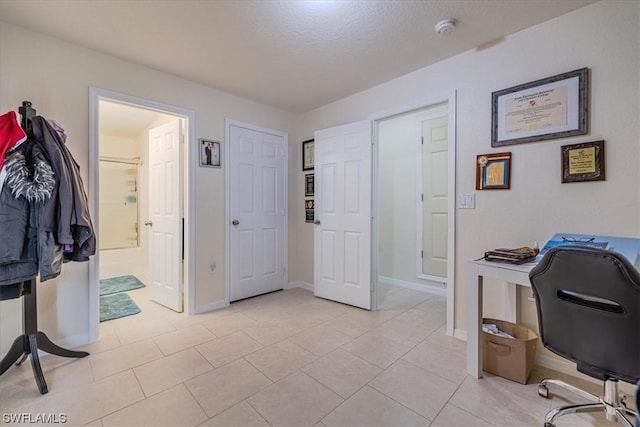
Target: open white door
342,258
165,255
257,234
435,190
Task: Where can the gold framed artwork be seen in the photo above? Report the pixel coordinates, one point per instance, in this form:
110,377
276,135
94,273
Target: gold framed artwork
493,171
583,162
549,108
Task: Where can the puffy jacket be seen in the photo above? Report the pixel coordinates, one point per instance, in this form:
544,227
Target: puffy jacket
29,184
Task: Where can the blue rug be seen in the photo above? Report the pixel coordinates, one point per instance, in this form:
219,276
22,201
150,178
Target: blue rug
119,284
116,306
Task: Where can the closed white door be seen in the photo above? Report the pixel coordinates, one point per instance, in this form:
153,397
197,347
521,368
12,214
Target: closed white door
342,258
165,217
435,175
257,174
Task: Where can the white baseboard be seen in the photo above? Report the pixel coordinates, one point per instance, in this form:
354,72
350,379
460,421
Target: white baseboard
74,341
461,334
300,284
216,305
429,289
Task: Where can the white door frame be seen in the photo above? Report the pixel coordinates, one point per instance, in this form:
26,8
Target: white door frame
227,201
95,96
451,223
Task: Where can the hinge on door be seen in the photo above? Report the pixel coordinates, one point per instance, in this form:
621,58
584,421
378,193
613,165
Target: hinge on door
421,254
422,140
181,139
422,197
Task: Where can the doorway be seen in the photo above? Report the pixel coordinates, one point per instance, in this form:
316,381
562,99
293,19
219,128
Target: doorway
414,204
353,185
130,138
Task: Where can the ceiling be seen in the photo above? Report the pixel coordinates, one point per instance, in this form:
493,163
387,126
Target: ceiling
294,55
127,121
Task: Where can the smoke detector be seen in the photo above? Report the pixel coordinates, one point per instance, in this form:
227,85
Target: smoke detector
445,26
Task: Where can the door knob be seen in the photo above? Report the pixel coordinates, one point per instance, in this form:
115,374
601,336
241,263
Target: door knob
148,223
316,222
235,222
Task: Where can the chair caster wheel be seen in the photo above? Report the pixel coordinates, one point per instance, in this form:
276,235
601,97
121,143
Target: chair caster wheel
549,425
543,391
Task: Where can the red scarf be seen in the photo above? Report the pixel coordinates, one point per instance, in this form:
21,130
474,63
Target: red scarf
11,134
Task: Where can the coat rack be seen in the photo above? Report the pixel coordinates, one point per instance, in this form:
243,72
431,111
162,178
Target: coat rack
31,340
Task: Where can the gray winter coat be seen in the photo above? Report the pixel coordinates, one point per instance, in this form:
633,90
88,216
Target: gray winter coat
66,214
24,248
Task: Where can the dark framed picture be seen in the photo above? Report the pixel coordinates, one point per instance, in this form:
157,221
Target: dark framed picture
308,185
309,209
210,153
493,171
307,155
583,162
550,108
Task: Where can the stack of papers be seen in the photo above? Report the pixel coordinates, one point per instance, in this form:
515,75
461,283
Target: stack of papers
493,329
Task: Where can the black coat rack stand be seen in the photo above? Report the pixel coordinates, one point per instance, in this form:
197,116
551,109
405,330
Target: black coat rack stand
31,340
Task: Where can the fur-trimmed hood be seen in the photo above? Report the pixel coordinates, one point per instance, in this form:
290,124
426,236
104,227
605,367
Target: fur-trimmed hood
35,185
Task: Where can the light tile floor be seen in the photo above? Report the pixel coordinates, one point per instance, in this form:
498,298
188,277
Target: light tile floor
285,358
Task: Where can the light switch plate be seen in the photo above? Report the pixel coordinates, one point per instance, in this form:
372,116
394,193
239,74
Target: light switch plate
467,201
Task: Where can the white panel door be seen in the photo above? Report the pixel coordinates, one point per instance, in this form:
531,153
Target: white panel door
165,216
342,257
435,161
257,207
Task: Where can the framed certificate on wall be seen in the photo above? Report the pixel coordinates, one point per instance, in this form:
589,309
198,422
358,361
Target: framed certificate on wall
550,108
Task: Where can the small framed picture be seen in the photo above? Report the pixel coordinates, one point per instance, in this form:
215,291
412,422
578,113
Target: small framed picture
210,153
309,210
583,162
493,171
307,155
308,185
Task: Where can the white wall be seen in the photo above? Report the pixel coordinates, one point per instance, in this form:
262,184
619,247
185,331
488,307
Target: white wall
56,77
603,37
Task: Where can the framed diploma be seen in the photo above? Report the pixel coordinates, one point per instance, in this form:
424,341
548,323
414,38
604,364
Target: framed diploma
555,107
583,162
307,155
493,171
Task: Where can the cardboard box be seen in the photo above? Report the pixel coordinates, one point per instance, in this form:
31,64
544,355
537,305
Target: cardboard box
510,358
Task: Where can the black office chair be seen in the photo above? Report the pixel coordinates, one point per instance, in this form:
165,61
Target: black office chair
588,304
